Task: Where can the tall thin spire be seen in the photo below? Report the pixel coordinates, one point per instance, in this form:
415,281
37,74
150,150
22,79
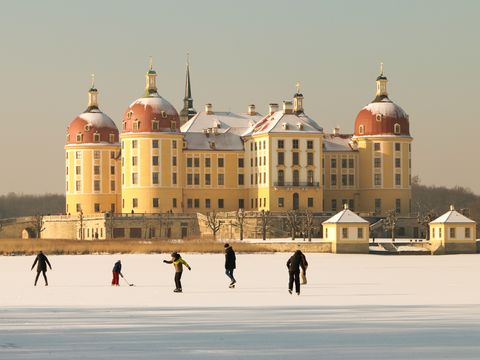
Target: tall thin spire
92,96
188,111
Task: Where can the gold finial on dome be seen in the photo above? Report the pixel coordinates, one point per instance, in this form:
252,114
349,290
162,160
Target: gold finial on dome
297,85
92,95
151,63
381,69
93,81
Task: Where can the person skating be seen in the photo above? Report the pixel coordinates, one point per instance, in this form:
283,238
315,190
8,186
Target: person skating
42,261
230,264
117,271
296,261
303,273
178,263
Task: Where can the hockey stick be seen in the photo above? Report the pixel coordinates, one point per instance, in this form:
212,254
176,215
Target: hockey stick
123,277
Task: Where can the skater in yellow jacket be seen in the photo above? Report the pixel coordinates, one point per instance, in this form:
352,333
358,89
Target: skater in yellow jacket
178,263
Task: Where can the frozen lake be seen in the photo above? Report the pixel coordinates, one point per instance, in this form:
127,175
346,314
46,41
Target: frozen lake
354,307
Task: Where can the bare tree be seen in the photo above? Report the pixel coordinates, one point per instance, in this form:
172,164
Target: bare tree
265,219
425,219
81,223
390,223
307,225
1,227
213,223
294,220
38,225
240,216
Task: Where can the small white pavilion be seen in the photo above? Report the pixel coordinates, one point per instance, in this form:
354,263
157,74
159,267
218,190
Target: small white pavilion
348,232
453,233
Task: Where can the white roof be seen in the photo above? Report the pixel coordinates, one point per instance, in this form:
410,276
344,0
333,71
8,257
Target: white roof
345,216
98,119
157,103
337,143
223,121
387,108
452,217
219,141
280,122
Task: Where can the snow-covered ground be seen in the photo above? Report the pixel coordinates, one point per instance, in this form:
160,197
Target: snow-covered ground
354,307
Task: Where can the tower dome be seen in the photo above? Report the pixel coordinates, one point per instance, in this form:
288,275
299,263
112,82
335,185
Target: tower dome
382,116
92,126
151,113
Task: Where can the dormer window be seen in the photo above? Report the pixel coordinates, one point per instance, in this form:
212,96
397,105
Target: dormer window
361,129
396,128
285,126
173,126
136,125
154,125
124,125
87,127
164,114
379,117
96,137
79,137
300,126
111,138
129,115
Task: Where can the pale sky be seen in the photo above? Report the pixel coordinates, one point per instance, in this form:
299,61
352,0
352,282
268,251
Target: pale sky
241,52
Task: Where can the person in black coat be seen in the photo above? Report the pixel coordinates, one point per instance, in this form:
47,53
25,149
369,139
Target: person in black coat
42,262
230,264
296,261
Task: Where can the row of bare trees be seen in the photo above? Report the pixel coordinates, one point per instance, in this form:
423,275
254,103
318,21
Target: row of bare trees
298,222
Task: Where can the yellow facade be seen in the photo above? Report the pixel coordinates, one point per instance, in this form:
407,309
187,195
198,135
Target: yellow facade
92,178
385,176
450,238
347,232
152,172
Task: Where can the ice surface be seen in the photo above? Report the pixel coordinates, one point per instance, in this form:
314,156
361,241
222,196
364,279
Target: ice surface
353,307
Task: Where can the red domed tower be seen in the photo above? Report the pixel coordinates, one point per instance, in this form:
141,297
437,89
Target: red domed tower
151,151
382,133
92,161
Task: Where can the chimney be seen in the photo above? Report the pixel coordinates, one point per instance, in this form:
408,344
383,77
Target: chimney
272,107
209,109
287,107
336,131
251,110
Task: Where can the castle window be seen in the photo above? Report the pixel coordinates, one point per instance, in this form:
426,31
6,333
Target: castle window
134,160
398,180
345,233
136,125
240,162
134,178
173,126
134,202
333,180
376,146
134,144
397,162
378,179
360,233
154,125
155,144
155,202
220,203
334,204
207,162
96,185
281,202
78,170
78,155
124,125
112,154
87,127
280,144
129,115
281,158
295,144
220,162
164,114
96,137
310,158
396,128
112,170
111,138
78,207
397,146
207,179
96,170
361,129
398,205
78,185
155,160
96,154
174,144
377,162
79,137
467,233
155,178
310,144
112,185
174,178
221,179
333,163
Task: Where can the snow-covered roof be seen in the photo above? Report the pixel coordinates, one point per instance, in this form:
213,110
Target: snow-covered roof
337,143
223,121
98,119
281,122
387,108
345,216
209,141
157,103
452,217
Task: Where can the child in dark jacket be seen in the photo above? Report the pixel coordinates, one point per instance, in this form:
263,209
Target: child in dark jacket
117,271
178,263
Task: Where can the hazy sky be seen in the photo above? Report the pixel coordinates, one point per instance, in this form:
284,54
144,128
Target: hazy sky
242,52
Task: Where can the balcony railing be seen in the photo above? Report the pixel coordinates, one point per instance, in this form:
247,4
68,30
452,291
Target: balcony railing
297,184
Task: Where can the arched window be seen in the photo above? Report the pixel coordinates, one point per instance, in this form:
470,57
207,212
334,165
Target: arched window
396,128
281,177
310,177
296,178
361,129
96,137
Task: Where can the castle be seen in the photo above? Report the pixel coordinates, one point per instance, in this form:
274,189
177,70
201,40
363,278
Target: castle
166,162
